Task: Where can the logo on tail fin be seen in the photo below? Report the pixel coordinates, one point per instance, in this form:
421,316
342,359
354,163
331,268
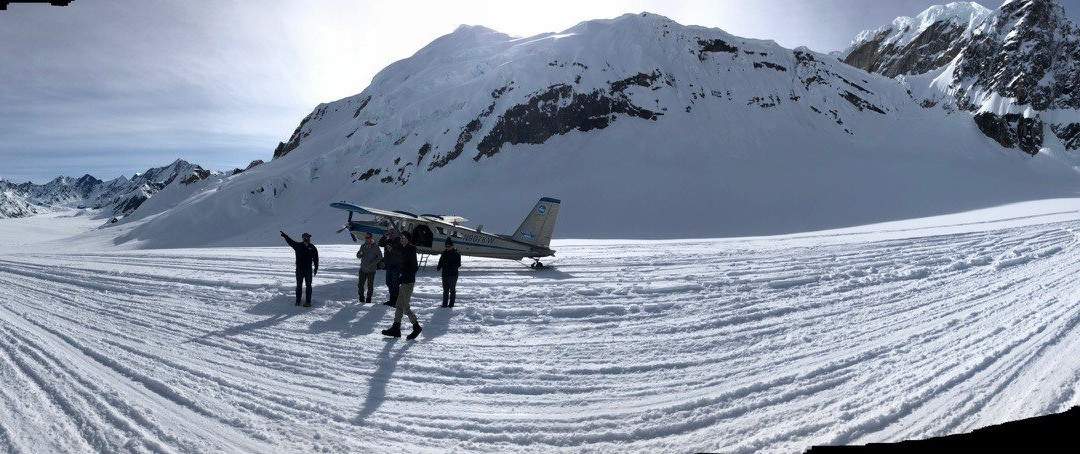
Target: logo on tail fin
541,208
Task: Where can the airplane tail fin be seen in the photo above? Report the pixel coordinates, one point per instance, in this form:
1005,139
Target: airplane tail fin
539,225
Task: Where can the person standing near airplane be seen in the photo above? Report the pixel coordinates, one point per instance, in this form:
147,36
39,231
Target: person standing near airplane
409,267
369,255
306,257
392,261
449,262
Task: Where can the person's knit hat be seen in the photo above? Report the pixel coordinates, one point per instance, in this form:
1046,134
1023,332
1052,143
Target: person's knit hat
449,242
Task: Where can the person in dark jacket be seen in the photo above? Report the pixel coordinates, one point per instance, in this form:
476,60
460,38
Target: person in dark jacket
392,263
307,264
409,267
449,262
369,255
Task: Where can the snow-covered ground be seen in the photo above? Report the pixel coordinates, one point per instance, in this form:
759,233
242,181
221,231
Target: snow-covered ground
902,330
50,227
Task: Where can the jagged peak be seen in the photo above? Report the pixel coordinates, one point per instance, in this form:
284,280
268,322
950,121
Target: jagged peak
904,29
1046,10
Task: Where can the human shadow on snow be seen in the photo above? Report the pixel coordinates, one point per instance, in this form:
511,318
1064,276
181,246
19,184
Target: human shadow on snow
282,307
438,324
278,309
355,319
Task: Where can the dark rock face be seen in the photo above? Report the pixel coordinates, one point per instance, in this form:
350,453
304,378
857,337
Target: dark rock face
423,151
716,45
559,110
770,65
1028,39
1031,54
249,166
284,148
931,49
1011,130
363,103
862,104
131,204
1069,134
368,174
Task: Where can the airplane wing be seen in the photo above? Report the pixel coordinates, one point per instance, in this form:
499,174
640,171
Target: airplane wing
371,211
451,219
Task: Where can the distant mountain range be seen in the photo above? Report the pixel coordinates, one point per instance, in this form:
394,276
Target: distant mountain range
114,198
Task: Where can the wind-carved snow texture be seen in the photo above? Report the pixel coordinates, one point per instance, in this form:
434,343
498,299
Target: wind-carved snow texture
769,344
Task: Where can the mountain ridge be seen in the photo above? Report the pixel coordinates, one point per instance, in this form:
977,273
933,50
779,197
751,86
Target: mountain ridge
114,198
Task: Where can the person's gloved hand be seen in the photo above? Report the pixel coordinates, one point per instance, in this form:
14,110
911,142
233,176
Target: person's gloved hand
283,235
315,272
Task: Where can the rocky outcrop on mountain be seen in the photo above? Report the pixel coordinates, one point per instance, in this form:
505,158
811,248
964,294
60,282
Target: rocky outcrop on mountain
1015,69
916,45
13,203
1026,63
114,198
249,166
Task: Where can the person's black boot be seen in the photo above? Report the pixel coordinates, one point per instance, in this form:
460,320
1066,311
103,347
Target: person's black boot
390,303
394,331
415,331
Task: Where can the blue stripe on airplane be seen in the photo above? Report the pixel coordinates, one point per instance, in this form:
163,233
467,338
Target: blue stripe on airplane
378,231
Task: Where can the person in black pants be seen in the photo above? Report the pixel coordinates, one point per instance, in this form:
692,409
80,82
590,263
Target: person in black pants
449,262
392,257
307,257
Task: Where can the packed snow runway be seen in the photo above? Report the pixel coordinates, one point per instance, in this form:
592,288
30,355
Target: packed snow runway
904,330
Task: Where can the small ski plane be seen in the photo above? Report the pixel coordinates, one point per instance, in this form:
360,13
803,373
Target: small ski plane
428,232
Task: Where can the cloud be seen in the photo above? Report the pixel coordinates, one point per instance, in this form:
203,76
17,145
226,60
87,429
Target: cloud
129,79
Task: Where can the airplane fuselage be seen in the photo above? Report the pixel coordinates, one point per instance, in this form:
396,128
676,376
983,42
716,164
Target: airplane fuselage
429,238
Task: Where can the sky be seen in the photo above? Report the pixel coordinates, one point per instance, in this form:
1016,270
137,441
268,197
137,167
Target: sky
113,87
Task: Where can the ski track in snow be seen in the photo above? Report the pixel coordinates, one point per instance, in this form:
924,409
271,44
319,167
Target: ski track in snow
704,345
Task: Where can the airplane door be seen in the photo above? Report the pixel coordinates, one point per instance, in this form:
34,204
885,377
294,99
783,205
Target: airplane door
422,236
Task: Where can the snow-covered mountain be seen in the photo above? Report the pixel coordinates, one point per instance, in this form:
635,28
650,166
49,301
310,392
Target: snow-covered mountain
114,198
1015,69
916,45
643,126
